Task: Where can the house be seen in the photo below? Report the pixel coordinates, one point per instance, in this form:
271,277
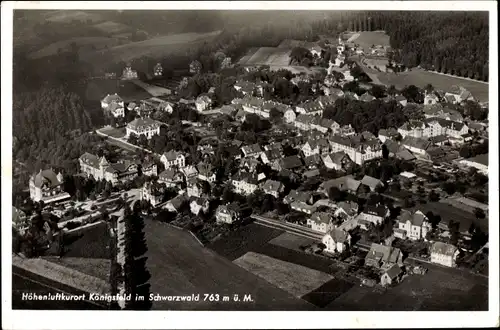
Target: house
344,183
382,256
300,196
480,162
347,209
149,168
415,128
195,67
401,100
101,169
288,163
245,183
391,276
194,188
311,108
176,204
171,177
338,161
206,172
371,182
311,173
416,145
20,221
313,161
320,222
203,102
439,140
358,148
367,97
189,172
316,50
316,147
336,240
158,70
245,87
374,214
252,150
270,156
290,116
113,104
454,129
303,122
143,126
303,207
390,133
128,73
153,193
46,186
273,188
229,213
198,205
444,254
346,130
325,125
458,94
173,158
412,225
431,98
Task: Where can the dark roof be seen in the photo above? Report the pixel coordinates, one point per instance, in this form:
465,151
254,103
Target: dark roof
481,159
271,185
140,123
379,210
443,248
46,176
290,162
371,182
394,271
416,142
416,218
384,253
312,160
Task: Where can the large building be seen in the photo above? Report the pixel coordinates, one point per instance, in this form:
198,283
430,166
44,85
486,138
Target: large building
47,186
153,193
112,104
143,126
358,148
129,74
444,254
101,169
173,158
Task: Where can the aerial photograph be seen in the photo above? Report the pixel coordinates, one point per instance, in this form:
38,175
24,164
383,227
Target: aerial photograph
222,160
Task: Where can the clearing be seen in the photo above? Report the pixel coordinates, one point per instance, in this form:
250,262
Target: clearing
179,265
296,279
97,89
368,38
68,16
84,44
111,27
272,56
153,89
99,268
290,241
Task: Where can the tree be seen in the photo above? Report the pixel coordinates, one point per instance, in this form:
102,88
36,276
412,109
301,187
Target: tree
378,91
275,116
335,194
433,196
385,152
479,213
429,88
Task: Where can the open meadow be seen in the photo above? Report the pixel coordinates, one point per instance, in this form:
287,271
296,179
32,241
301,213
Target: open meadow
272,56
180,265
368,38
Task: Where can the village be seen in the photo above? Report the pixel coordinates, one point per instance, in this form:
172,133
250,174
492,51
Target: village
382,204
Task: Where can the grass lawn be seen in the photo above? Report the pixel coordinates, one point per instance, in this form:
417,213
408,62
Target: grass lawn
328,292
113,132
421,78
97,89
269,56
95,267
295,279
179,265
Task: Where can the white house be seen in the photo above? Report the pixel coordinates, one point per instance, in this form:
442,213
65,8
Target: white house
431,98
113,104
356,147
198,205
337,161
203,102
153,193
412,225
374,214
320,222
229,213
444,254
47,186
316,147
416,145
143,126
171,177
273,188
245,183
336,240
173,158
206,172
290,116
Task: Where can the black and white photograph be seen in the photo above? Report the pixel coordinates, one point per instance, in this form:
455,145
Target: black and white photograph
275,157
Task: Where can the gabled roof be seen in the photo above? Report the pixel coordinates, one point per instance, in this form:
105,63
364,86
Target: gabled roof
46,176
351,208
295,195
366,97
273,154
337,157
400,98
416,218
112,98
390,132
143,123
251,149
416,143
384,253
312,160
343,183
443,248
205,169
321,217
290,162
170,175
394,271
272,185
378,210
305,119
90,159
172,155
371,182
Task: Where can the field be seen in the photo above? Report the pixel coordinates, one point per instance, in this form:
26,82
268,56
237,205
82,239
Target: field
95,267
272,56
91,243
113,132
179,265
290,241
440,289
153,89
368,38
67,16
448,212
295,279
97,89
155,47
421,78
111,27
84,44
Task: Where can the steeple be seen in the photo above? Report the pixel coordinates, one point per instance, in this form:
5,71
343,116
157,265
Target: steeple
103,162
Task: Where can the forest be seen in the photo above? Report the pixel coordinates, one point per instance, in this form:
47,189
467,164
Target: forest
456,43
